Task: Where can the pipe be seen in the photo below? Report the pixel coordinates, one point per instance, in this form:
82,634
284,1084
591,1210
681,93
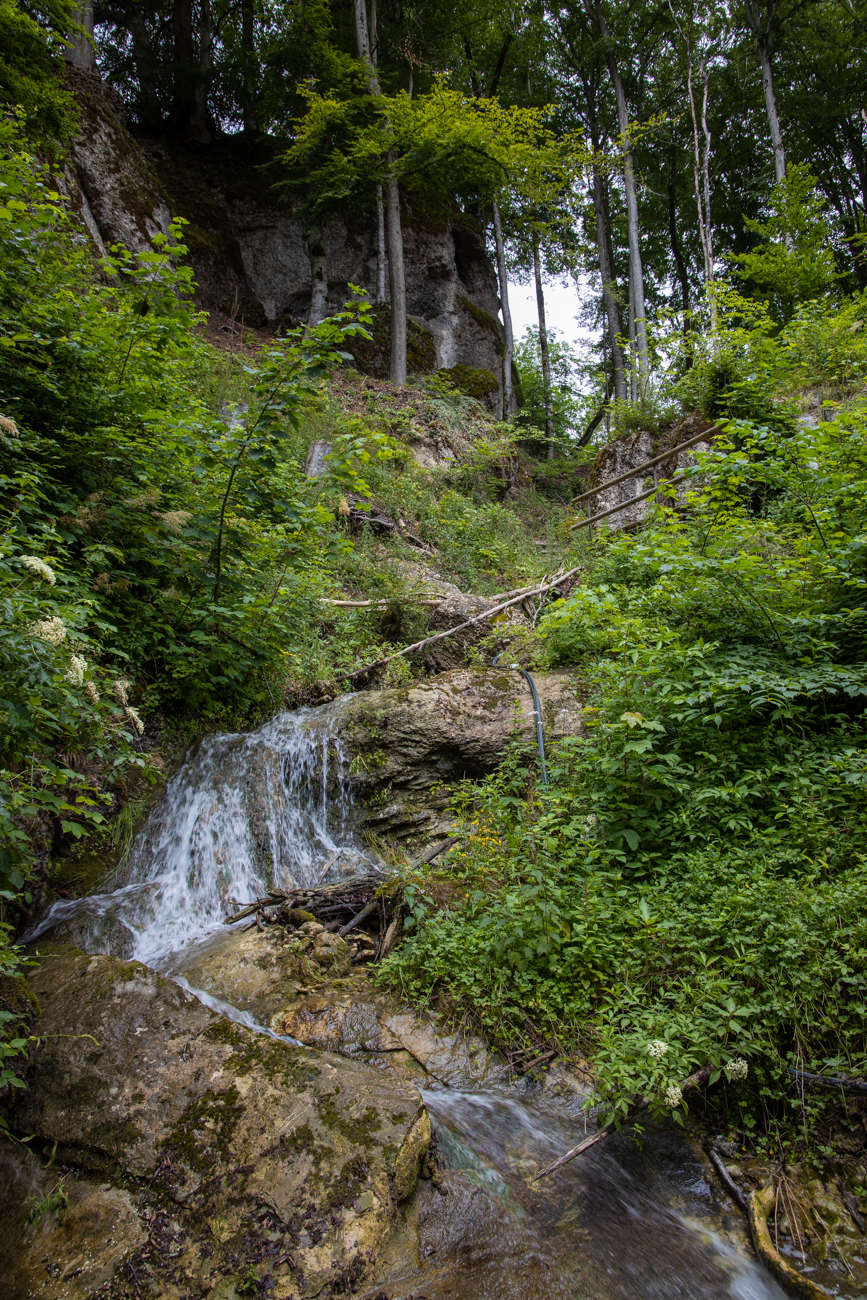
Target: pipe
537,709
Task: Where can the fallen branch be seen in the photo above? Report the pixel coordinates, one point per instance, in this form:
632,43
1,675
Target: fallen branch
694,1081
759,1207
825,1081
726,1179
430,601
470,622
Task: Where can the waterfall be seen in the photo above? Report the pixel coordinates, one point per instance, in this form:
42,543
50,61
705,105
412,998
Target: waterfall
244,813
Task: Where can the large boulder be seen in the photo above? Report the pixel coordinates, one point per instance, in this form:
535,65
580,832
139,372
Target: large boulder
409,742
203,1154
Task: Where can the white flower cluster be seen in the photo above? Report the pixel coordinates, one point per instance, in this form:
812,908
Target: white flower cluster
657,1049
49,630
91,692
77,669
8,426
39,567
120,690
134,720
175,520
737,1069
591,821
673,1095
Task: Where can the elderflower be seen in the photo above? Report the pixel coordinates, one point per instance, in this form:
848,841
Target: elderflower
134,720
737,1069
77,669
175,520
673,1095
39,567
49,630
657,1049
120,690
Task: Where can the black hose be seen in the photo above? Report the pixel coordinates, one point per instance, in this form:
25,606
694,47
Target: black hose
537,707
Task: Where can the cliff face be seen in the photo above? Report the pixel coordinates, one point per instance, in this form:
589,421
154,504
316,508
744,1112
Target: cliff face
250,252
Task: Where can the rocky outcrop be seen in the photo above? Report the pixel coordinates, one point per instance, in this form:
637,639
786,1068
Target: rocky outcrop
408,742
631,452
249,249
200,1153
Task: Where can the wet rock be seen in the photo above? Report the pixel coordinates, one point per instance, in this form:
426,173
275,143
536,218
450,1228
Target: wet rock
62,1253
253,970
238,1151
361,1022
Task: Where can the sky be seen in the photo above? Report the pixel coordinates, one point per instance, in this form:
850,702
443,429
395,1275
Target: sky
561,306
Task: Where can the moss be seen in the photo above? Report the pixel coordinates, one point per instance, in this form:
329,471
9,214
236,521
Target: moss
18,998
475,383
206,1127
361,1130
372,356
485,320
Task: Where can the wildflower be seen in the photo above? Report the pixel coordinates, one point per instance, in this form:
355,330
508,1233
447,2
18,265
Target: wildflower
49,630
175,520
657,1049
673,1095
737,1069
91,692
120,690
134,720
8,426
591,821
39,567
171,593
77,669
148,498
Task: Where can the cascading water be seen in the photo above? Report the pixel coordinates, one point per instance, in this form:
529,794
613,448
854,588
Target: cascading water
245,813
272,808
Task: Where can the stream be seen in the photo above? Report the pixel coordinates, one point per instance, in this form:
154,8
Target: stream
271,808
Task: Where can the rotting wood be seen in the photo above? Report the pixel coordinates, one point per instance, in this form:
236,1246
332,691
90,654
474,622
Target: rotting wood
760,1205
694,1081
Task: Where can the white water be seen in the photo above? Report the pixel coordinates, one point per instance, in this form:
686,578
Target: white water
244,813
270,808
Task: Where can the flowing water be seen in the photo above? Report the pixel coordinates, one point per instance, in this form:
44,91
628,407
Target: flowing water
273,807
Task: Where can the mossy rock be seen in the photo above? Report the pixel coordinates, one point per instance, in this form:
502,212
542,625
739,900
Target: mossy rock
373,356
478,383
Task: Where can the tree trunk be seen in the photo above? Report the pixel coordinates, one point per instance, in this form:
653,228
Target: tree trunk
319,278
79,51
761,26
393,229
609,300
507,315
146,69
381,258
249,64
396,280
543,348
636,270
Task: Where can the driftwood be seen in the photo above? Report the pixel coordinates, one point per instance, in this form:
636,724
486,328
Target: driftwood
470,622
760,1205
694,1081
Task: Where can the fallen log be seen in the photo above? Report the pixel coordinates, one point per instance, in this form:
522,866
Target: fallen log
760,1205
470,622
694,1081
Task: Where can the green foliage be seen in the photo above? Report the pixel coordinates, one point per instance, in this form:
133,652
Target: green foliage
793,261
569,409
697,874
32,35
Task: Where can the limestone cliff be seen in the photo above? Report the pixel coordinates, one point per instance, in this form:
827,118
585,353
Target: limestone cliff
251,254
